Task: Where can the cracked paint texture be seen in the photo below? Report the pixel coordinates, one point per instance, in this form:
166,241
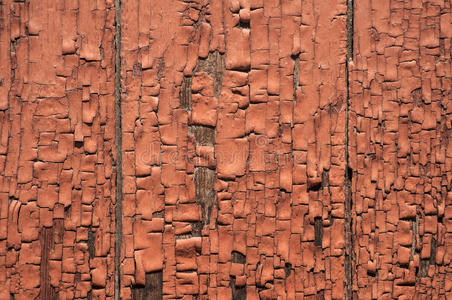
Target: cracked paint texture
57,150
233,147
269,149
400,149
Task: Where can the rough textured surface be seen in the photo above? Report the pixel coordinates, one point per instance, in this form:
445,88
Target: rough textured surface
56,149
400,149
233,144
234,149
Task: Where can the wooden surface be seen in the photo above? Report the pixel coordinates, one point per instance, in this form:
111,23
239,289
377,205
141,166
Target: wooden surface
233,149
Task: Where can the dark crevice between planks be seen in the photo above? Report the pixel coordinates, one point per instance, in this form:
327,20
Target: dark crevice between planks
118,148
349,257
152,289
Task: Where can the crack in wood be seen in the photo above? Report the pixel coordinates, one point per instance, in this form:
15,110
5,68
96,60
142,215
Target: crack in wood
349,257
118,148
